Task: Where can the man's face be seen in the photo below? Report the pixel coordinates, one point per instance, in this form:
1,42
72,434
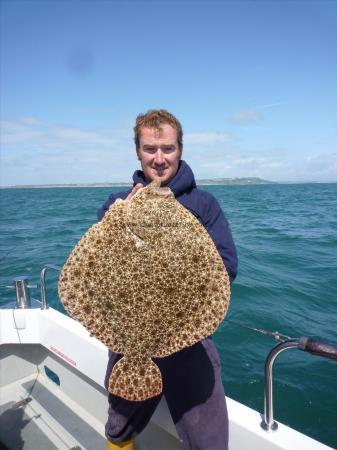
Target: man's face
159,153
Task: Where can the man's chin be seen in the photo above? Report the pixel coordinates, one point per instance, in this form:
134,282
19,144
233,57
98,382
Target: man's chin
163,177
160,179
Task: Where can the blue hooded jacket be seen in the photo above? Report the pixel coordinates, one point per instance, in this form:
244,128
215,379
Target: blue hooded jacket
201,204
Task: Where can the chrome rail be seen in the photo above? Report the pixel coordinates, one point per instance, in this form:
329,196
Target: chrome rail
268,423
43,282
303,343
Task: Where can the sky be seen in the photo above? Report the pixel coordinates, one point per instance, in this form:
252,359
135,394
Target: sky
253,83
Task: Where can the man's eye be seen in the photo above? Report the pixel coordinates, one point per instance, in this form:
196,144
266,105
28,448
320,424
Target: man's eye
150,149
164,149
169,149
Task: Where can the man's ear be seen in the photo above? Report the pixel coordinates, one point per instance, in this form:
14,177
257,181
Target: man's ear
137,152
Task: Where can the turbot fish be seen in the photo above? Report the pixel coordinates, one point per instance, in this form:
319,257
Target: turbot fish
147,281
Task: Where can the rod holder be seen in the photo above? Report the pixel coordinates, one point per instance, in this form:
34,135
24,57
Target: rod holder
21,286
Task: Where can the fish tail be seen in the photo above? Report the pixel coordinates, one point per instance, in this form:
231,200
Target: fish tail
134,381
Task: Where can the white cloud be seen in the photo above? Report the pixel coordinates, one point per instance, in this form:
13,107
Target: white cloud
321,167
208,138
279,166
35,152
250,117
39,135
236,163
272,105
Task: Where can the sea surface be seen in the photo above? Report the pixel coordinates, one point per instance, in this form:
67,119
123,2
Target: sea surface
286,237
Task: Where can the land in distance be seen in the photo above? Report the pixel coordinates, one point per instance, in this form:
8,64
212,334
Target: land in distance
207,181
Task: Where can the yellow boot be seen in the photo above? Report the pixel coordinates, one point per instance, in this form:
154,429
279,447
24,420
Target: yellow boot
125,445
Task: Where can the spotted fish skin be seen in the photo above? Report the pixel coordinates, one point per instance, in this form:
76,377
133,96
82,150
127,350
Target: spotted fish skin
135,378
147,281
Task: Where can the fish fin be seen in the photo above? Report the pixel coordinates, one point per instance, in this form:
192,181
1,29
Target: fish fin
136,382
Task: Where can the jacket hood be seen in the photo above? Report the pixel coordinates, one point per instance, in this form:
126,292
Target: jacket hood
183,181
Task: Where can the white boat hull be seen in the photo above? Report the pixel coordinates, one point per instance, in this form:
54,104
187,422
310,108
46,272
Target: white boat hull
72,414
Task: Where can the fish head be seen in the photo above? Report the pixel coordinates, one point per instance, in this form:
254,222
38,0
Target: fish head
147,211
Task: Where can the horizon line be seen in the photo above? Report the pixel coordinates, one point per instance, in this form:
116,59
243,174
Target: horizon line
198,181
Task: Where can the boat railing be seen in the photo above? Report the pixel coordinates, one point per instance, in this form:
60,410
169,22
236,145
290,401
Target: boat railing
43,282
303,343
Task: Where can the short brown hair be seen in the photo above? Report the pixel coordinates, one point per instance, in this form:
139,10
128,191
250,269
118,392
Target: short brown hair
154,118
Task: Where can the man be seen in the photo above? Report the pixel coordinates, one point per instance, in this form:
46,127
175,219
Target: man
191,377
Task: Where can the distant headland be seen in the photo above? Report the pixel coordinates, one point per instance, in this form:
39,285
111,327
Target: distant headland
250,180
206,181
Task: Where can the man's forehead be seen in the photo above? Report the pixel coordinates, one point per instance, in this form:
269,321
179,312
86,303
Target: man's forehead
162,132
156,132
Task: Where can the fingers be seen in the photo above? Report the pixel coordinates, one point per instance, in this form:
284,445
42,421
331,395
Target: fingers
134,190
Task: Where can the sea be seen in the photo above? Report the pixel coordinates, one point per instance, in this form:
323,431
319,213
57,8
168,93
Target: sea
286,238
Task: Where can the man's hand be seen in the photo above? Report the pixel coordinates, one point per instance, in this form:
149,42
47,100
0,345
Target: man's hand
134,190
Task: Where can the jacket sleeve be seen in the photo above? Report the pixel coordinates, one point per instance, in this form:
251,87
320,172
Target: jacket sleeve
111,200
219,230
100,213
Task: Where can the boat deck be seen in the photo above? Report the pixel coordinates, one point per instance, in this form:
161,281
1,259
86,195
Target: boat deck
35,415
53,396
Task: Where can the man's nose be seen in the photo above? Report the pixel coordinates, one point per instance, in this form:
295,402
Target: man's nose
159,157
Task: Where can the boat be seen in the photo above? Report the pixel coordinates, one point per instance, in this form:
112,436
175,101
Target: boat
52,387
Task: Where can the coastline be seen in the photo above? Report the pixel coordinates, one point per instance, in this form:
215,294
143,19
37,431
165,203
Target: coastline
201,182
204,182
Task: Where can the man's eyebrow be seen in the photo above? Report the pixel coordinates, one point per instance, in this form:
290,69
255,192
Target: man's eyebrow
163,145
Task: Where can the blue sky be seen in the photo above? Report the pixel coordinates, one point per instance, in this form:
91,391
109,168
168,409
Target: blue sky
254,84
